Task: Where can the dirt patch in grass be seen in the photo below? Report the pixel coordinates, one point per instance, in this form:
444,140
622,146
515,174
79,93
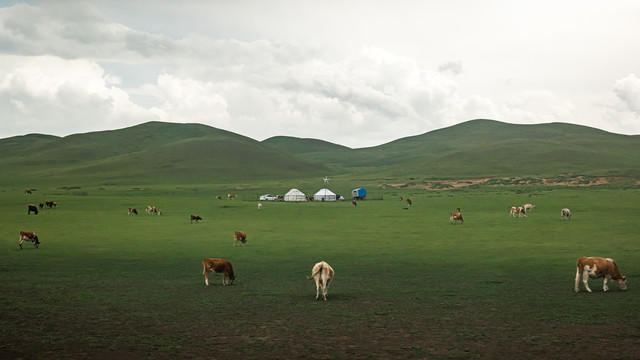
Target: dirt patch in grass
569,180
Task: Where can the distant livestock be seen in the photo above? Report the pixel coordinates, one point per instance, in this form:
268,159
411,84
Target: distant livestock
239,237
517,210
218,197
322,273
354,202
598,267
196,218
29,236
152,210
456,216
132,211
409,202
565,214
259,206
31,208
51,204
231,196
27,192
528,207
224,267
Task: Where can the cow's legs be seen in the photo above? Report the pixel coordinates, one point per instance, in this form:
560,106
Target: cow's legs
317,288
206,277
585,280
577,286
604,284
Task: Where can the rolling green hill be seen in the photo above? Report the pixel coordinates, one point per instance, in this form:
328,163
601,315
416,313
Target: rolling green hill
168,153
153,152
480,148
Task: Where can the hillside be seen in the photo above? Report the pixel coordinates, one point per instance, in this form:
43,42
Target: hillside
153,152
170,153
479,148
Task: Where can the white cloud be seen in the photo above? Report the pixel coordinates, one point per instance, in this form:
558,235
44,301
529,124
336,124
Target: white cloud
68,67
628,90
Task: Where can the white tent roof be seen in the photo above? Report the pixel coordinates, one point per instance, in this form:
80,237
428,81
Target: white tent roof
295,195
325,192
324,195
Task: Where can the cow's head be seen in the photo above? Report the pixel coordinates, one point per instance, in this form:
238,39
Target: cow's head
622,282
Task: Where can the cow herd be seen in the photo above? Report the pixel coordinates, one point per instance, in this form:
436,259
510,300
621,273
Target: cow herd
322,273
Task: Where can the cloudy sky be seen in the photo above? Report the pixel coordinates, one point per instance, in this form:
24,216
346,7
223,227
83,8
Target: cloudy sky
356,73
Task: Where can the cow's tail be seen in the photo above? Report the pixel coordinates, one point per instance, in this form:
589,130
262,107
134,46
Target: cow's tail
315,273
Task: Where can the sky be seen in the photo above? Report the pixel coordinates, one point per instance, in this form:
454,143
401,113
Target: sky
355,73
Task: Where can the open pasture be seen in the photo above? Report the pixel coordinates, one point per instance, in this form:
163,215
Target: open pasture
408,284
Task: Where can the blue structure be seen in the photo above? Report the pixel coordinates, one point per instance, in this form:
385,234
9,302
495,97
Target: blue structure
359,194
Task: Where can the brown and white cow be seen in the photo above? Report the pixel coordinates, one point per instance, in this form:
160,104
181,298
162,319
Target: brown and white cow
231,196
153,210
322,273
354,202
28,191
409,202
517,210
29,236
565,214
132,211
196,218
598,267
240,237
31,208
456,216
219,266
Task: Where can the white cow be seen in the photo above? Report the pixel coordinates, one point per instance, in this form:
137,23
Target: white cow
565,214
528,207
322,273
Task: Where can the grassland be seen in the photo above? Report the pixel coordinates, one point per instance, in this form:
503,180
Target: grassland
408,284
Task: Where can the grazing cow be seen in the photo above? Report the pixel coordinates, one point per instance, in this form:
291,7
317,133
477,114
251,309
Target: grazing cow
259,206
400,198
409,202
231,196
219,266
153,210
354,202
240,237
517,210
218,197
41,205
196,218
29,236
565,214
528,207
322,273
456,216
132,211
51,204
32,208
27,192
279,197
598,267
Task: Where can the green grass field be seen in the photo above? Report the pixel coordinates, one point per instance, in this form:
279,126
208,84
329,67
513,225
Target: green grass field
408,284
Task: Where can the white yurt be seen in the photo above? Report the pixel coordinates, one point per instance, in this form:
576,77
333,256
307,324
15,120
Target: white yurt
324,195
295,195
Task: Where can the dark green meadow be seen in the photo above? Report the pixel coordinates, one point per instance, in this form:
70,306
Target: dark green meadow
408,284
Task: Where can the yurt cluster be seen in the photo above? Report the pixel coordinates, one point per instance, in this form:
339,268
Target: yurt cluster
321,195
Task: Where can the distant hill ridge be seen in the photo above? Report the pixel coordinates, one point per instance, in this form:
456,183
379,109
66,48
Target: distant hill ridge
158,152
